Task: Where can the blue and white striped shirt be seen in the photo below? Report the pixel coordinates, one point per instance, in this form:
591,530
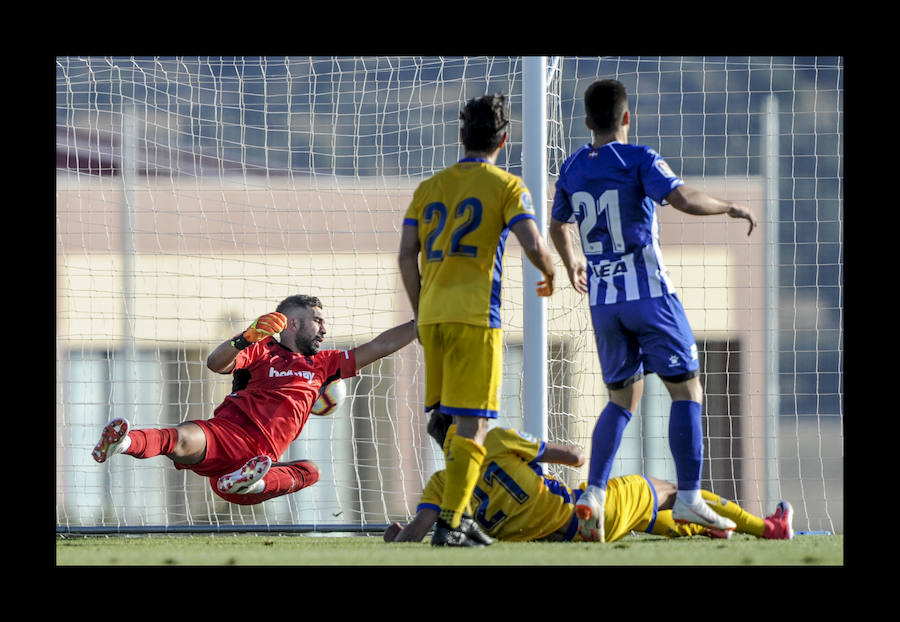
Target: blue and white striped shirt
612,192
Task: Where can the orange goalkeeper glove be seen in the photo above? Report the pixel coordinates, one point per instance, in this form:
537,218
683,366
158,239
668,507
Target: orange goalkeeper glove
264,326
545,287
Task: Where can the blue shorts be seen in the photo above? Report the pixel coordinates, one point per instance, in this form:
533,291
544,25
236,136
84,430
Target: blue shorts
651,335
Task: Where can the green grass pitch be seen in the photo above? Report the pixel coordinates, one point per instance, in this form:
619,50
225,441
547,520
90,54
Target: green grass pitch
371,550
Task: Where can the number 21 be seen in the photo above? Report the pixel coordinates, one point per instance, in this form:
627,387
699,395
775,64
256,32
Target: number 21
494,474
607,205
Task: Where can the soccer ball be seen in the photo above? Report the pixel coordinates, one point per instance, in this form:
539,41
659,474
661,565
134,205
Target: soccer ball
330,397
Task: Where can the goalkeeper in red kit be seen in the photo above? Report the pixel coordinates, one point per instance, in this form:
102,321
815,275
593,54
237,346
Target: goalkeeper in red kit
275,384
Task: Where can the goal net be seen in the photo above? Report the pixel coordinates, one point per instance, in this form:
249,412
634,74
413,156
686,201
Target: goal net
194,194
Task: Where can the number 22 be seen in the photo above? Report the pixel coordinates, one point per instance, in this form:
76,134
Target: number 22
471,210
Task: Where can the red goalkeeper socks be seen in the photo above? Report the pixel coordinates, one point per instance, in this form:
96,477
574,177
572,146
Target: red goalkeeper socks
282,479
151,442
288,478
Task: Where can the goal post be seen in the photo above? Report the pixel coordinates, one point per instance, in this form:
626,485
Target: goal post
534,172
195,193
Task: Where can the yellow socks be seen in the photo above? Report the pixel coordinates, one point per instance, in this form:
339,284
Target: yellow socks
464,458
746,522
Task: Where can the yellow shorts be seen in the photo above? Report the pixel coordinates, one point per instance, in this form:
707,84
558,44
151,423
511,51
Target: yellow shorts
463,369
630,506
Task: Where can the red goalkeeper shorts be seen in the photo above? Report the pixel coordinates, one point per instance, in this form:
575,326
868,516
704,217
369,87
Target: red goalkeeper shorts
231,440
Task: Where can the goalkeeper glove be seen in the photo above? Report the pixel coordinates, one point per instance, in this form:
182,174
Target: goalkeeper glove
264,326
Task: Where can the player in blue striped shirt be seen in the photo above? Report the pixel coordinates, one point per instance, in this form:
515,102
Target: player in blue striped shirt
608,191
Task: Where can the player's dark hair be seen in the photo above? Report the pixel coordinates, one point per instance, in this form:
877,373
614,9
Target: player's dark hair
484,120
605,103
298,300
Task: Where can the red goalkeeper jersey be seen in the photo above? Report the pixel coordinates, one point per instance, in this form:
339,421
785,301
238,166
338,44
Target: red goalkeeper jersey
276,388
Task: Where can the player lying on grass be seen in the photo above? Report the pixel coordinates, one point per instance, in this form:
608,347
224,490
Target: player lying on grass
515,501
275,384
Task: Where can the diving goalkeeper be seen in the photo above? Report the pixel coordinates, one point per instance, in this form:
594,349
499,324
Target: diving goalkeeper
275,384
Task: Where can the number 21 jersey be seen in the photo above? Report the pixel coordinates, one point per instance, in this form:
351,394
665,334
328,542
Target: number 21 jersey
611,193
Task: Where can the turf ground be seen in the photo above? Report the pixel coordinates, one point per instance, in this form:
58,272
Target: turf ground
370,550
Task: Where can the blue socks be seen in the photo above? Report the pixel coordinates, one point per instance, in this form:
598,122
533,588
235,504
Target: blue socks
605,442
686,443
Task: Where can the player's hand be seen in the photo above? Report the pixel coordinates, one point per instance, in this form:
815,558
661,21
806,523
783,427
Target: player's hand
545,287
578,277
265,326
393,530
745,213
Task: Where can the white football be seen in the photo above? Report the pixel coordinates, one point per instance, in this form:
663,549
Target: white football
330,397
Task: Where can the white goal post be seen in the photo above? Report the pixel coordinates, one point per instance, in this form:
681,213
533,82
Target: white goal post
195,193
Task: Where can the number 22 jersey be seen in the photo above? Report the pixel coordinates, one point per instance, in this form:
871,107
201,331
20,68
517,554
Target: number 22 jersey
463,215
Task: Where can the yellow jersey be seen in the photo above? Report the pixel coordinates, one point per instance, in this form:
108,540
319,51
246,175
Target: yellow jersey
513,499
463,215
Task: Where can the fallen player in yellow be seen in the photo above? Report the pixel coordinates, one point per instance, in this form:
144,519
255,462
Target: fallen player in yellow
515,501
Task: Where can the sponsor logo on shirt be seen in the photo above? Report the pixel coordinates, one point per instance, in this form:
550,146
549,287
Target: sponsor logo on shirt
308,375
609,269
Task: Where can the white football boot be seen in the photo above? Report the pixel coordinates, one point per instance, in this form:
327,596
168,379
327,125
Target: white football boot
591,512
247,479
700,514
114,440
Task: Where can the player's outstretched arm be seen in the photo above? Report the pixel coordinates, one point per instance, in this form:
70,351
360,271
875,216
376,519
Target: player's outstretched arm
408,261
417,528
698,203
221,360
555,453
384,344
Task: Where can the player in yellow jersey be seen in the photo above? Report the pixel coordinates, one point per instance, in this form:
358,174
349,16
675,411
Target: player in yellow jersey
451,262
514,500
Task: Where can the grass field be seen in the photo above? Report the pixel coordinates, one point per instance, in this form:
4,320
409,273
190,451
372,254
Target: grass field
305,550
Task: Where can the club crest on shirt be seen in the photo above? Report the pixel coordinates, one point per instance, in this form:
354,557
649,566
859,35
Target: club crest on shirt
663,168
527,203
